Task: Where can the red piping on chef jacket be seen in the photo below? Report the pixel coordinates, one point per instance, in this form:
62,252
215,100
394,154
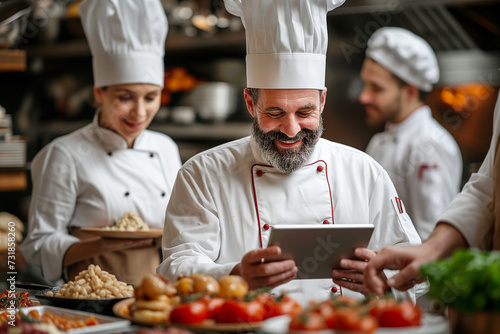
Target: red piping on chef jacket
255,195
422,168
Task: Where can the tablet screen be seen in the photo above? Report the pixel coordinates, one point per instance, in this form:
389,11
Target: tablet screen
318,248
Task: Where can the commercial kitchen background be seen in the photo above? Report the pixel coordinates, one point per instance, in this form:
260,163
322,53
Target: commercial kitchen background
205,50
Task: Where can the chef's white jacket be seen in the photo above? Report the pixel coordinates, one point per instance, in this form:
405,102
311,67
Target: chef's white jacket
424,163
471,210
90,178
225,199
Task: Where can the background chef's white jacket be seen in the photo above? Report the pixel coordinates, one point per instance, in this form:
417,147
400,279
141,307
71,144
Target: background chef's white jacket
471,210
424,163
89,178
223,198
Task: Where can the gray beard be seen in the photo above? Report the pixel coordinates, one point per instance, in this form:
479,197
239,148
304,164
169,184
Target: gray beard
286,160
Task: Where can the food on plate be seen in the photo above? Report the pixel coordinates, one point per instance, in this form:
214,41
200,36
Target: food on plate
11,230
348,314
194,312
129,222
201,299
94,283
213,305
17,325
391,313
232,286
154,299
234,310
308,321
233,303
197,283
168,330
64,322
467,281
8,298
276,305
206,284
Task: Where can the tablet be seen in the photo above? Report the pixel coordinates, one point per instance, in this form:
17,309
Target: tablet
318,248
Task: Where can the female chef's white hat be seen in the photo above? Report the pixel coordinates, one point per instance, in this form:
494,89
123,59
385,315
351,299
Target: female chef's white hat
406,55
286,41
127,40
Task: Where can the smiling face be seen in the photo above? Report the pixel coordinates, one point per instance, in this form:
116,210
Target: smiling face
287,125
382,95
128,109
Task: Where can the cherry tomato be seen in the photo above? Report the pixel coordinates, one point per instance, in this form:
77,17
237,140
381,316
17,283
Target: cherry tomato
327,310
350,319
213,305
266,300
398,314
308,321
194,312
281,305
240,311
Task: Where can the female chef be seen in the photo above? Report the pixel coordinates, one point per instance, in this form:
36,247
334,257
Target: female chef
93,176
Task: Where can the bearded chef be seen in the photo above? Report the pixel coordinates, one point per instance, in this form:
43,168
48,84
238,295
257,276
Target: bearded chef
471,220
93,176
421,157
226,199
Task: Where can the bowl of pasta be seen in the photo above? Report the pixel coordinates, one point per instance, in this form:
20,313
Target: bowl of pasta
92,290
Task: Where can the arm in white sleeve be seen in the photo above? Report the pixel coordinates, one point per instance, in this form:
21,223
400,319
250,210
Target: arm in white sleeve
191,238
52,205
471,210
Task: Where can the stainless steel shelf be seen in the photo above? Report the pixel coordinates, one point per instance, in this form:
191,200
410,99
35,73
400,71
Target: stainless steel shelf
198,131
234,41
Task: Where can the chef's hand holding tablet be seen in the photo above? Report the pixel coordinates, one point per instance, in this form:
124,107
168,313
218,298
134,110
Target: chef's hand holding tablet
259,273
352,272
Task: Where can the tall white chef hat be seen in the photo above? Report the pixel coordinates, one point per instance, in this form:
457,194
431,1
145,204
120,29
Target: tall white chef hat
127,40
286,41
406,55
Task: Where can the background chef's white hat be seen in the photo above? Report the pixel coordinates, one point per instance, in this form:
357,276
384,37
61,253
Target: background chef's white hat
406,55
286,41
127,40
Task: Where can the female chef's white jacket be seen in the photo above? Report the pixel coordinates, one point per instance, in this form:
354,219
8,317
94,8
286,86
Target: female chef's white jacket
90,178
424,163
225,199
471,210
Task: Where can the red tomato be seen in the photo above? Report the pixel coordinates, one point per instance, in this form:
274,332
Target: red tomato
308,321
399,314
281,305
189,313
351,320
381,305
239,311
327,310
266,300
286,305
213,305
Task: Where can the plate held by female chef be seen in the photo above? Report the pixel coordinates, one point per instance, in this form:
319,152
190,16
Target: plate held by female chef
93,176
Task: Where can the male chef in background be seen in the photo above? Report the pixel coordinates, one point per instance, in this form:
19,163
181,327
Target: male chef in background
225,200
471,220
421,157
